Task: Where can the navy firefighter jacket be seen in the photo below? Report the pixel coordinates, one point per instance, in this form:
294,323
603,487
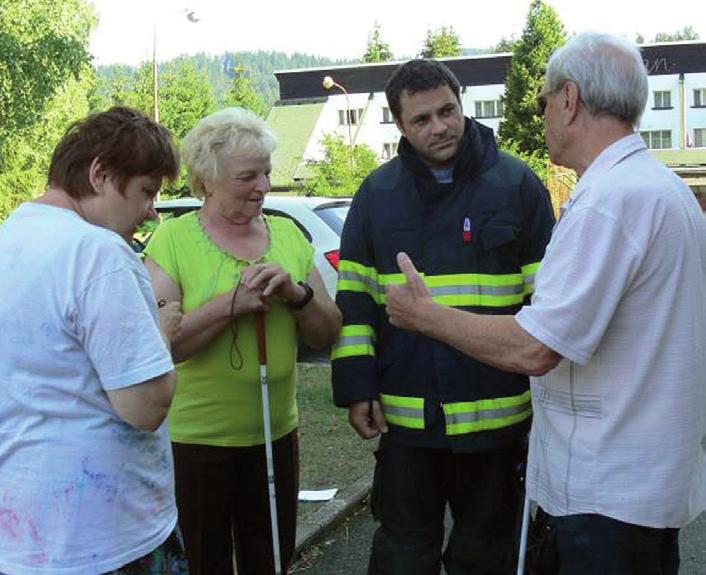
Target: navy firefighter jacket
478,242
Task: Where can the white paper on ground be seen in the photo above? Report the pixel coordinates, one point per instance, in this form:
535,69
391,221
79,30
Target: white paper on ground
317,494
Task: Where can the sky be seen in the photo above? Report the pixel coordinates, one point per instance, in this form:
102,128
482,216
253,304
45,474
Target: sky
338,29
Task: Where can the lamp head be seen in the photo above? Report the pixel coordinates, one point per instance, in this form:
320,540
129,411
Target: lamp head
328,82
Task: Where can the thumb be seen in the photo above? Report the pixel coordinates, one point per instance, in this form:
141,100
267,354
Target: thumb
407,268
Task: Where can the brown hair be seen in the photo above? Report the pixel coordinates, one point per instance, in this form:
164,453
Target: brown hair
124,141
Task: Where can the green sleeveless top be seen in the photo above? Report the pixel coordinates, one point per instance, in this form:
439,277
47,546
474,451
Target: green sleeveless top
216,404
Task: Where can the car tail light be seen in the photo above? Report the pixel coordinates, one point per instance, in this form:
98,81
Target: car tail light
332,258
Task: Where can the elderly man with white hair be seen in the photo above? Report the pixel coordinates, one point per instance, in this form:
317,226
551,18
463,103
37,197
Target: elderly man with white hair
615,335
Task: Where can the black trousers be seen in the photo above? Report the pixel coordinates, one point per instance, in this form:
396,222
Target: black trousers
223,502
590,544
410,491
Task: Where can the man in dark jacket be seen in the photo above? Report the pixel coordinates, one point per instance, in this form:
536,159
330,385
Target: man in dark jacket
475,221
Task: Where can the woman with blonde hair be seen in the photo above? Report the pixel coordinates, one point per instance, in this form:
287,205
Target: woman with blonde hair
225,264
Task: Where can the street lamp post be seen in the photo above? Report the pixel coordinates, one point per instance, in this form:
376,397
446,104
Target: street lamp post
329,83
192,17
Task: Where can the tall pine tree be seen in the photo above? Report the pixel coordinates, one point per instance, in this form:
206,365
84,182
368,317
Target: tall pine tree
522,130
441,43
377,50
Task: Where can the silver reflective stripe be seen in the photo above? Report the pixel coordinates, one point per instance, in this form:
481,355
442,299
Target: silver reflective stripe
357,277
469,417
476,290
354,340
403,411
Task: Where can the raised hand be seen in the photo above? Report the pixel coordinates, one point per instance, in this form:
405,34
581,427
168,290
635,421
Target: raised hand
407,302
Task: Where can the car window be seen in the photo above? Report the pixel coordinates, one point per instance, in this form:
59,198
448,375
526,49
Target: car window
334,217
271,212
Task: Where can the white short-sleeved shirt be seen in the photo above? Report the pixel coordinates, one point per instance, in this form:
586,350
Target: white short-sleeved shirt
81,491
619,424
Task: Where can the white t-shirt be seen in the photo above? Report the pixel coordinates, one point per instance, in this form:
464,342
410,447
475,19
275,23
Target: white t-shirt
81,491
619,424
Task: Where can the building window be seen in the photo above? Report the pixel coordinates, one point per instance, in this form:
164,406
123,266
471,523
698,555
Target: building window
700,137
700,98
389,150
663,100
658,139
352,117
387,116
489,109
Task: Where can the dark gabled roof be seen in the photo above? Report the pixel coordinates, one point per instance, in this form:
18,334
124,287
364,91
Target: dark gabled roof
660,59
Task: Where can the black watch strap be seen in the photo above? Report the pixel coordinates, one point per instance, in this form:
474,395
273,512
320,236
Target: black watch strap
308,296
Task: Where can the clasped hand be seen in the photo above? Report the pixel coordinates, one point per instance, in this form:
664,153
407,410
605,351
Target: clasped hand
259,282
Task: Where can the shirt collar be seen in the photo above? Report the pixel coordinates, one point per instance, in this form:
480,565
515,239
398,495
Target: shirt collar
612,155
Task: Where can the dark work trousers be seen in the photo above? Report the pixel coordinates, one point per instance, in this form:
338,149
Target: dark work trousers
410,491
589,544
223,501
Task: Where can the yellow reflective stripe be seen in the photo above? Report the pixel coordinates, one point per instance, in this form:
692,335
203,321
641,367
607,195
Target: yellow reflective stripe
530,269
401,401
403,411
487,424
474,279
351,266
484,414
528,273
455,290
356,277
354,340
479,300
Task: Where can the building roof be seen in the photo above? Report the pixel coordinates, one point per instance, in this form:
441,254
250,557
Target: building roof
293,126
479,70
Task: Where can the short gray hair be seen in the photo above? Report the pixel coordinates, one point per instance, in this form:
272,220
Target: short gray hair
219,135
609,72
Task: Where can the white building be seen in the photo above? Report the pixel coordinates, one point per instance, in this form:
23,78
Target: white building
674,122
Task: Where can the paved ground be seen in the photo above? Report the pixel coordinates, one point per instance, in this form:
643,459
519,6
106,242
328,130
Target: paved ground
346,549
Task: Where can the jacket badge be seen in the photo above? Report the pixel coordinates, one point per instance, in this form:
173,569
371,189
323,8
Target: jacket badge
467,233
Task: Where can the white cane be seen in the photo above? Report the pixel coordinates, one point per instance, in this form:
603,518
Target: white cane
523,535
262,353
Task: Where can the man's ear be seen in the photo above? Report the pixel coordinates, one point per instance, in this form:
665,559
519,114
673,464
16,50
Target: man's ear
571,100
97,176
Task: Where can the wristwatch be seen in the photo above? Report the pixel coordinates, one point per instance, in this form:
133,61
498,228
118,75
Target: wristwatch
308,295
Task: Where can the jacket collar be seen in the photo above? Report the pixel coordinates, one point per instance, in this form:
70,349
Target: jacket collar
476,152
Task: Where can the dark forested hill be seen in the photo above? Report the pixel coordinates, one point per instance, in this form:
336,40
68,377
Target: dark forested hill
258,66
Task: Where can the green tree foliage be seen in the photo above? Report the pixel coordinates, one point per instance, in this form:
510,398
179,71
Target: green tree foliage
28,152
221,70
45,80
242,93
42,43
342,170
441,43
185,96
505,45
686,33
522,130
377,50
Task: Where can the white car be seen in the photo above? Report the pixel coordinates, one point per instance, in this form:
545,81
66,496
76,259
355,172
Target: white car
320,219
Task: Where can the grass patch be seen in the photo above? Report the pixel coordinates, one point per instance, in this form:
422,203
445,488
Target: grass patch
331,453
